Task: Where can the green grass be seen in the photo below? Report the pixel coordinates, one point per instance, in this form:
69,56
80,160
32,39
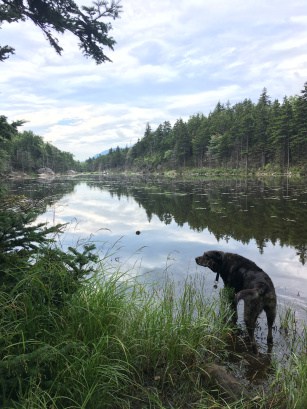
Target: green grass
116,343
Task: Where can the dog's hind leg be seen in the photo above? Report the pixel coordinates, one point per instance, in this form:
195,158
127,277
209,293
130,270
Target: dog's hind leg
251,313
252,309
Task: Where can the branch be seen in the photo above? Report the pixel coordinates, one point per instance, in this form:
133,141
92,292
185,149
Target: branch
60,16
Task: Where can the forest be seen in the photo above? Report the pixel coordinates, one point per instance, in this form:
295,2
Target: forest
245,136
26,152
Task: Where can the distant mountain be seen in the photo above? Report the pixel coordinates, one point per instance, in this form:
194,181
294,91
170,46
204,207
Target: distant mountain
106,152
101,154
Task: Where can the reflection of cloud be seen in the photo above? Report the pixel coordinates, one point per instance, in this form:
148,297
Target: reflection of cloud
160,250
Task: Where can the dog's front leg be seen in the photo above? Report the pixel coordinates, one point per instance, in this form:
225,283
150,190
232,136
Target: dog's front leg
234,308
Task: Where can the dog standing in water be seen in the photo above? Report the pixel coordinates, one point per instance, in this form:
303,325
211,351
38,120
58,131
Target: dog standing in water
250,283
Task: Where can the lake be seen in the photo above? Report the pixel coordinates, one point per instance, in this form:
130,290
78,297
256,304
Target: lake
261,219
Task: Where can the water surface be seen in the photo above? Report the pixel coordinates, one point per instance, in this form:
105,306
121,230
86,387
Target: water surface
264,220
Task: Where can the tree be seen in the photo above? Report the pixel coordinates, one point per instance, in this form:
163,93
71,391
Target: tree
183,145
60,16
282,131
200,141
299,143
8,130
262,120
242,130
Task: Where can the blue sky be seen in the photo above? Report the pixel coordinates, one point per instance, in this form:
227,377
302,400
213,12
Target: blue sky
173,59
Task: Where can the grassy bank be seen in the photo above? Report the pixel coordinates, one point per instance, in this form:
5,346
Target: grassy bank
268,171
121,344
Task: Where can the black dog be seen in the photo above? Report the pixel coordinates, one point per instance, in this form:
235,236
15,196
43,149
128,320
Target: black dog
249,283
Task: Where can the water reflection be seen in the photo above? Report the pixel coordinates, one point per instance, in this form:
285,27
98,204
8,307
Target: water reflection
261,219
243,210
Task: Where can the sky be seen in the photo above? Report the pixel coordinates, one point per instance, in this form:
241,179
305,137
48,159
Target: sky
172,59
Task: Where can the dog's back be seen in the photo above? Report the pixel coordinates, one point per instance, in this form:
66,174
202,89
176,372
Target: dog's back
241,273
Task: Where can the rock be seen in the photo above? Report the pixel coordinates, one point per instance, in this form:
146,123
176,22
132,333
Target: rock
47,171
229,387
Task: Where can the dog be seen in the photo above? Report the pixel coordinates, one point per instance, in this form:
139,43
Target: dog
250,283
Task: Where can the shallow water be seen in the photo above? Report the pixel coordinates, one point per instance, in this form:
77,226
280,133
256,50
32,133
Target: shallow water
264,220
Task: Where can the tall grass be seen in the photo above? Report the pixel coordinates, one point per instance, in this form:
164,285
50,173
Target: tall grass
114,343
290,379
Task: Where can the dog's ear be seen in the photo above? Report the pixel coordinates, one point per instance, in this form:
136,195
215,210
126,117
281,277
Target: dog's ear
217,256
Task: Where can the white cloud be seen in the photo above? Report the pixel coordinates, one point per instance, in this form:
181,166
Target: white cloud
172,59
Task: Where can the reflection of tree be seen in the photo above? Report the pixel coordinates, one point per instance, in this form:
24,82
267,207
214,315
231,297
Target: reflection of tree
302,253
271,211
48,191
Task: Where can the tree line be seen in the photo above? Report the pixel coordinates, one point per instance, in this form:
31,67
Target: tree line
245,135
27,152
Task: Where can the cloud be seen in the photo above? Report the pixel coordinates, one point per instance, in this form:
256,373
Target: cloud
171,60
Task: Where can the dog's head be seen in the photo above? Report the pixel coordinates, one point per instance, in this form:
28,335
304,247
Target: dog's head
211,259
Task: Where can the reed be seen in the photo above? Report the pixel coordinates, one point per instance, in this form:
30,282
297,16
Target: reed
115,343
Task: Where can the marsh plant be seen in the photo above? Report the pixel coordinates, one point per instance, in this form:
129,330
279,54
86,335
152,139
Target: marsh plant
288,321
75,334
290,378
106,342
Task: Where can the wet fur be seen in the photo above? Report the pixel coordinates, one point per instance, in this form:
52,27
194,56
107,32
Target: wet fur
250,283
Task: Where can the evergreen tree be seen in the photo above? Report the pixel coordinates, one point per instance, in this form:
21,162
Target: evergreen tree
245,135
183,145
262,118
281,132
243,130
200,141
55,16
299,143
7,132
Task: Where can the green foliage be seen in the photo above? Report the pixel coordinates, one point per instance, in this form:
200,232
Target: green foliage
243,136
116,343
110,340
37,282
61,16
25,246
19,238
7,131
27,152
74,335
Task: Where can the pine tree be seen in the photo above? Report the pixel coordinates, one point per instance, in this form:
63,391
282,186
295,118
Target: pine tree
299,143
262,119
55,16
183,145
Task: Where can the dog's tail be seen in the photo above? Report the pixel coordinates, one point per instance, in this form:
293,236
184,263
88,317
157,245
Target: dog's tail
249,294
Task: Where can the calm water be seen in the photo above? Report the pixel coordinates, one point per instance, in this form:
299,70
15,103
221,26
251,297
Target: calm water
264,220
